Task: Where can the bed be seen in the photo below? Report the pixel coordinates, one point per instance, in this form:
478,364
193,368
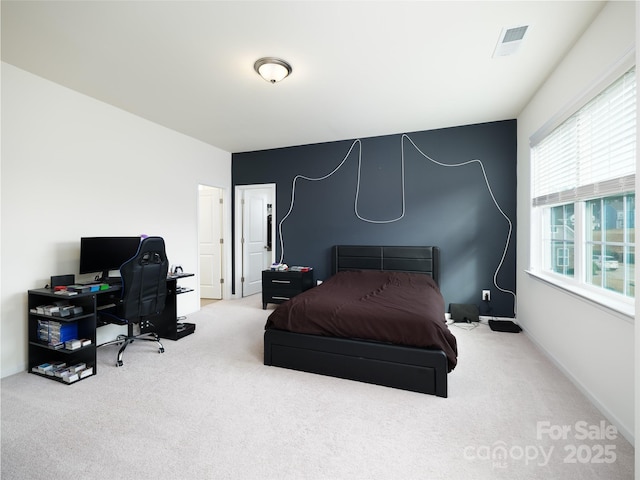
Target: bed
326,344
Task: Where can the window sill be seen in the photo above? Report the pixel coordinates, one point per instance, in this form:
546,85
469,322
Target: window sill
622,309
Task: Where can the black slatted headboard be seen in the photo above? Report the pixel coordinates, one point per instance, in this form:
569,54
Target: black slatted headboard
401,259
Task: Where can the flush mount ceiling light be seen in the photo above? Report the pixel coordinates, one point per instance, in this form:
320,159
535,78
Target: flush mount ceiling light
272,69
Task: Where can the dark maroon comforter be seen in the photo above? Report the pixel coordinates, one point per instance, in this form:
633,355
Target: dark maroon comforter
395,307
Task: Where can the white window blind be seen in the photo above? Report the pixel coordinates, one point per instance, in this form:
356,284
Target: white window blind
592,153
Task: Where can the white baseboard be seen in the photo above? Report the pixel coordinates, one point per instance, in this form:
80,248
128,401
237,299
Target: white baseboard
626,432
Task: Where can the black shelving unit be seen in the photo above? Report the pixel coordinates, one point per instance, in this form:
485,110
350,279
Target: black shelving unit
40,352
167,324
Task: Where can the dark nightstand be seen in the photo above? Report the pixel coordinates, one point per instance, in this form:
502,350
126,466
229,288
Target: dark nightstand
278,287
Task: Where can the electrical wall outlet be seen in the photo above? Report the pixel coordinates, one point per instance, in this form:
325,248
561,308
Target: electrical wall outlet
486,295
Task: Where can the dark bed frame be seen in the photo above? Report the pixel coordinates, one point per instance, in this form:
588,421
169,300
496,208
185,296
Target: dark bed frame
408,368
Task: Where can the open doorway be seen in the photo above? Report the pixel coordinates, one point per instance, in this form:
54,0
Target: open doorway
210,242
255,235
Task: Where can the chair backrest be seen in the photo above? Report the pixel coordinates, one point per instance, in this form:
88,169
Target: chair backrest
144,280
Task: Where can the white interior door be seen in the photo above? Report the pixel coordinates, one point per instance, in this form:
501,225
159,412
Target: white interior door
210,241
256,254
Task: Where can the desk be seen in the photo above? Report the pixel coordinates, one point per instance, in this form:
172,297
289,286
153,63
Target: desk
41,353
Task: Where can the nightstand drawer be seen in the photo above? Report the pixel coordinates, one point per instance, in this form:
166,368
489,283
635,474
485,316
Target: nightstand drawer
279,282
278,297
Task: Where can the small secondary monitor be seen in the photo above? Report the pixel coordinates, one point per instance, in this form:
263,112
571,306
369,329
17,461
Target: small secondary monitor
103,254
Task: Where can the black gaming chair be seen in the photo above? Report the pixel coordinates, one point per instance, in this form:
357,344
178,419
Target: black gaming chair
144,291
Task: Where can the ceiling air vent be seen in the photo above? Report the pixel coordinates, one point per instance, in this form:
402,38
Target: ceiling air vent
510,40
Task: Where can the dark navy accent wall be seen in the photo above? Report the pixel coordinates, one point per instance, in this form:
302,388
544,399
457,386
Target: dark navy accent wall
450,207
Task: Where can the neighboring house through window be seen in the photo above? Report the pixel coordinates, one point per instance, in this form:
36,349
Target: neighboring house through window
583,194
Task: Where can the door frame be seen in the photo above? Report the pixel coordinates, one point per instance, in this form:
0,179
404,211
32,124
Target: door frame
239,220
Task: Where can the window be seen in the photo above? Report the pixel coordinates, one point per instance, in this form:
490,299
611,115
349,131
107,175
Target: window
583,196
610,242
561,238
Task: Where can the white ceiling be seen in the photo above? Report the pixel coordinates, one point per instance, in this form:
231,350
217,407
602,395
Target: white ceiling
360,68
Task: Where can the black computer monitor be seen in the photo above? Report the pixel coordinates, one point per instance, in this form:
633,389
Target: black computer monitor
103,254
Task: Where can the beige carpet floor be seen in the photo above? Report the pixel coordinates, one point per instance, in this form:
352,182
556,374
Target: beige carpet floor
209,409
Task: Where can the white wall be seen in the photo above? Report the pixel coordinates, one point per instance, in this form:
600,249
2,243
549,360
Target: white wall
593,346
73,166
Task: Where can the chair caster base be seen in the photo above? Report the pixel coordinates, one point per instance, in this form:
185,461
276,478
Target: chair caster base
125,340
